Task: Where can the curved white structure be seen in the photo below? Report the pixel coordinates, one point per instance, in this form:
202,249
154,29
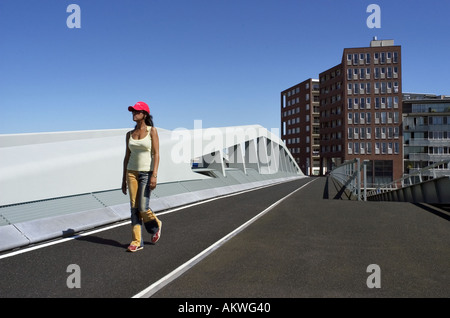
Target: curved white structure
58,184
50,165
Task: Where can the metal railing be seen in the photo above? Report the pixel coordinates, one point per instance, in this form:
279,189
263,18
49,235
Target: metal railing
352,175
414,178
348,175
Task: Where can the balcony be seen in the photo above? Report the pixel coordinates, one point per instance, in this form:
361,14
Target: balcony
427,157
428,142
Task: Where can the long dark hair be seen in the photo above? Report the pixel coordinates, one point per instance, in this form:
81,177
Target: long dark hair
148,120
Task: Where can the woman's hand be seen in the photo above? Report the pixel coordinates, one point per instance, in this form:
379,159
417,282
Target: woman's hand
152,182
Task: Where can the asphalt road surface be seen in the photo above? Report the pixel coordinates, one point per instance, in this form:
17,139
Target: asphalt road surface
304,246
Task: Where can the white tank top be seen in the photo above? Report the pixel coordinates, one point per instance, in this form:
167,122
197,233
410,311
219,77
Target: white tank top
141,150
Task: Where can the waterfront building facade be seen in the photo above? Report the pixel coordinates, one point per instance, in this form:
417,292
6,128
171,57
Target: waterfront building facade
426,130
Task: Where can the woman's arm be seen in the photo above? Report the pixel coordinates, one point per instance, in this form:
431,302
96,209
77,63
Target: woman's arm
125,164
155,153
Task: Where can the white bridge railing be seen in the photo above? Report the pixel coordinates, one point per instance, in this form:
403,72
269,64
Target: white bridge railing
429,184
349,175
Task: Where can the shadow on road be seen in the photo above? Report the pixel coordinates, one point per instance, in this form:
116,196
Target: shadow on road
100,240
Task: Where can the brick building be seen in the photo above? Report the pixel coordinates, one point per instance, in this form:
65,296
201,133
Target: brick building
360,113
300,124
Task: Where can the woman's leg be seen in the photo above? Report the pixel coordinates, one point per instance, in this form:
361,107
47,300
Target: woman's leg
136,222
151,222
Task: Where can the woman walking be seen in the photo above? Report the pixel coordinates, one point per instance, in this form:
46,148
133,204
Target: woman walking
140,167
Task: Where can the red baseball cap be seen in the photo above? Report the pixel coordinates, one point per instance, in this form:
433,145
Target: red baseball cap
139,106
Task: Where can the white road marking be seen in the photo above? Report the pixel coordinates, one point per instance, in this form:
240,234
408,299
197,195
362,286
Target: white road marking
58,241
152,289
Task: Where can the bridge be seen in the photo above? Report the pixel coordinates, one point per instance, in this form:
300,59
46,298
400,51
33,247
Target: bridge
239,232
281,240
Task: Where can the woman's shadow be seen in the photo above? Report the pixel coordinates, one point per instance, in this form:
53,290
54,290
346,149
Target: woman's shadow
101,240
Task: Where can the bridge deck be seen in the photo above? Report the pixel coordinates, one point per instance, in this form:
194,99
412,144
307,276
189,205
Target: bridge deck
305,246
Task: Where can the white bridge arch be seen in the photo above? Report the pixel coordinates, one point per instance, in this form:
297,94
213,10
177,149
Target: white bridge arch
42,166
58,184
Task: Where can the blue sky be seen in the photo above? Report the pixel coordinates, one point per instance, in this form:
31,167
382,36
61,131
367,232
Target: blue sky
224,62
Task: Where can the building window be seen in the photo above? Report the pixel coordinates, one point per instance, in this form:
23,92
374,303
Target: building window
362,118
383,117
395,57
377,148
377,118
383,171
362,73
362,103
390,148
389,72
389,102
390,132
383,148
369,148
377,102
